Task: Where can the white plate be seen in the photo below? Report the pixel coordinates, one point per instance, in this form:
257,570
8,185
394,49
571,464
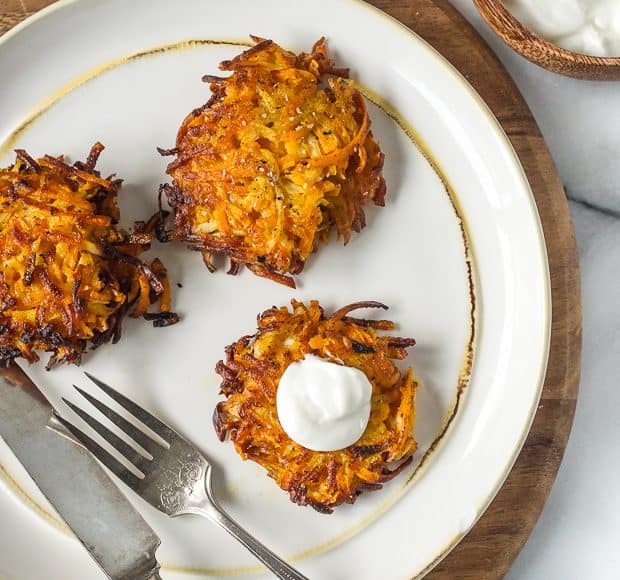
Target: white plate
460,223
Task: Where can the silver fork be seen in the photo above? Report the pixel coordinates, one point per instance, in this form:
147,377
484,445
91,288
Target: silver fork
174,476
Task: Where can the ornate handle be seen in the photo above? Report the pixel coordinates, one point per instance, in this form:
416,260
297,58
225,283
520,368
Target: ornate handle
279,567
213,511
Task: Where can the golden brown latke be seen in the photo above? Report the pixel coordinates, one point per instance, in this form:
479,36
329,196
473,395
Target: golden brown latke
67,275
280,155
252,371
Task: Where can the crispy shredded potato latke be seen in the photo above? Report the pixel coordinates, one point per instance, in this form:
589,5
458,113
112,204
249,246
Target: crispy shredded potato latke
68,275
251,373
280,154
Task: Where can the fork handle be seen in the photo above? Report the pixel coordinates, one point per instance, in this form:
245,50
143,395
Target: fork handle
213,511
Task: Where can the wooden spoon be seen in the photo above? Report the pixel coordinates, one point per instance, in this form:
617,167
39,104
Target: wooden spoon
541,51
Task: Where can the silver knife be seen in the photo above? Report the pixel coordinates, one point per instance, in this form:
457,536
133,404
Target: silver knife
98,513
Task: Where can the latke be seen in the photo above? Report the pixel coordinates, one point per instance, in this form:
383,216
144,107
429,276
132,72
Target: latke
279,156
68,275
251,373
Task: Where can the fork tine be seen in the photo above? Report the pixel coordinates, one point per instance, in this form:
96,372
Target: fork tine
149,420
101,454
139,436
121,446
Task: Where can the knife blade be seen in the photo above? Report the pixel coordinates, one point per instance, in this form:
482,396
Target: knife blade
102,518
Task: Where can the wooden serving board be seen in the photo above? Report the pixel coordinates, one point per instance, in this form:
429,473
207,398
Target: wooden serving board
492,545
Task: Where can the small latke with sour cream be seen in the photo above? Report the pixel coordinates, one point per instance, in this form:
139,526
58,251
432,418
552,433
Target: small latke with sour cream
251,373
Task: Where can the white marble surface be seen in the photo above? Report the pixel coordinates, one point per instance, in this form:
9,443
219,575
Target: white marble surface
578,533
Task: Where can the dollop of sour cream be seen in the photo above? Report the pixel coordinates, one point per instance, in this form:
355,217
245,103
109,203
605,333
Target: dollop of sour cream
323,406
586,26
